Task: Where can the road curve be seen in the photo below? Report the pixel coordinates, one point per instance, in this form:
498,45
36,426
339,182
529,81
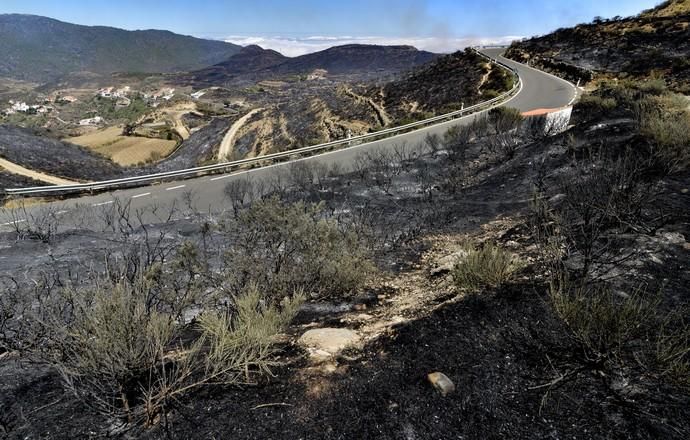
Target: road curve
539,90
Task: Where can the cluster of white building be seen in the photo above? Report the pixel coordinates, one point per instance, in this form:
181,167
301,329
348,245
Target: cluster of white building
23,107
112,92
121,95
164,94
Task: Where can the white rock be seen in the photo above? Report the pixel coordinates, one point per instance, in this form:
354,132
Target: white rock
322,341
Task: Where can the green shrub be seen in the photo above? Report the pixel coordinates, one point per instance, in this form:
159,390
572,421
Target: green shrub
593,105
129,361
499,81
505,119
601,320
285,247
612,326
109,346
489,266
667,127
654,87
672,354
489,94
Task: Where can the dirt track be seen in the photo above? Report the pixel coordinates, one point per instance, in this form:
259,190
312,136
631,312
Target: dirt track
18,169
229,139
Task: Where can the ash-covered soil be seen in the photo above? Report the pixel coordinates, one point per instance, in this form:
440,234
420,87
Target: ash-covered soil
653,44
517,370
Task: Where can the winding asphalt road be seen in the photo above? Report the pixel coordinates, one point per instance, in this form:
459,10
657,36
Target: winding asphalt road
539,90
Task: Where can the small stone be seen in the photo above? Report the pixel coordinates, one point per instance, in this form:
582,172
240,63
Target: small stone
442,384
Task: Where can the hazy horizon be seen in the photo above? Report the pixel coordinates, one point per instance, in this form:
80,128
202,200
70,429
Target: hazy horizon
296,46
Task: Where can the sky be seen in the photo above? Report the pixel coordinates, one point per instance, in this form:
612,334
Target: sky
294,27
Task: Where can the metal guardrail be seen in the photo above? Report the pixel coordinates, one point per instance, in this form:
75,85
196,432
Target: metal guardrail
195,172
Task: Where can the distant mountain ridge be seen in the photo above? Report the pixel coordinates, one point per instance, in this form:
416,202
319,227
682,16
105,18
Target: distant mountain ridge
248,60
352,58
255,63
40,49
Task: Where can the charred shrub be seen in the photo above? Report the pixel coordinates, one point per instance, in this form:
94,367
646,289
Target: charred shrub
604,197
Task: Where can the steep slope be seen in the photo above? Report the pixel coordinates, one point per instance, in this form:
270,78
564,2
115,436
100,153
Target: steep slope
313,114
655,43
442,85
41,49
670,8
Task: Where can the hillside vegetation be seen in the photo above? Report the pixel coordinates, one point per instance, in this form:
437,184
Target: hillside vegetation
654,44
41,49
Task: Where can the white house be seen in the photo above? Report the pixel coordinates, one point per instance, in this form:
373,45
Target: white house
97,120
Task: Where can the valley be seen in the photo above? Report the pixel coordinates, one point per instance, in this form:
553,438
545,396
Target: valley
518,269
137,121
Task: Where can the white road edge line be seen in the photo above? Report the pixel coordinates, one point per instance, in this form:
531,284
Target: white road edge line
141,195
175,187
104,203
225,176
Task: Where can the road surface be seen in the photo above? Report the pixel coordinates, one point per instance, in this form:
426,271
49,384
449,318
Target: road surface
539,90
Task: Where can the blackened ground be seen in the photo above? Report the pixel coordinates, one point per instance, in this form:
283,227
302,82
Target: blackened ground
28,149
502,349
499,351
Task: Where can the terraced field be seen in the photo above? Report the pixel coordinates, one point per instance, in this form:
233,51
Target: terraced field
125,150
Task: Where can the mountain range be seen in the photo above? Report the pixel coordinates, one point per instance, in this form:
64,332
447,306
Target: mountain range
40,49
253,62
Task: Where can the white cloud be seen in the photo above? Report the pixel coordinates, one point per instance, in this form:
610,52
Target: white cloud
295,46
